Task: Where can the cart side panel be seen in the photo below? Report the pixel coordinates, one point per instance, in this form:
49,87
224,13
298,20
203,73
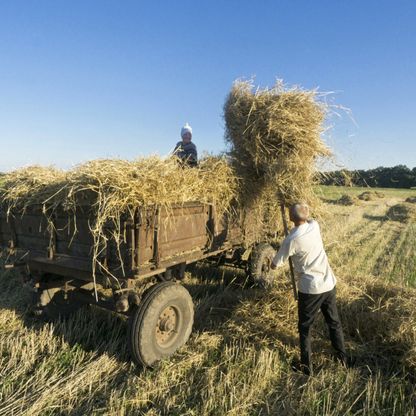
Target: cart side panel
183,229
4,231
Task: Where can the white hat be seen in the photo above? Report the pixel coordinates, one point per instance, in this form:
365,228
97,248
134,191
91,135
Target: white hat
186,129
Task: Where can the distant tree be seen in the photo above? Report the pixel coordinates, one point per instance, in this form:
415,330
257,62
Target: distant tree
399,176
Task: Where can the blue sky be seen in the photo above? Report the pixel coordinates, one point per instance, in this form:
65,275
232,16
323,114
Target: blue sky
88,79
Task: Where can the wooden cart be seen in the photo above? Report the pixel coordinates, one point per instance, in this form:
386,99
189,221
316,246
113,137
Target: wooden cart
140,277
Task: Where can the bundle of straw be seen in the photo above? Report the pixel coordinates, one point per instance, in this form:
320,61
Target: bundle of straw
275,139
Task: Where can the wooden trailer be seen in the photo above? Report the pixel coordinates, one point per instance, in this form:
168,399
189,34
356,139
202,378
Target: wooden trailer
141,276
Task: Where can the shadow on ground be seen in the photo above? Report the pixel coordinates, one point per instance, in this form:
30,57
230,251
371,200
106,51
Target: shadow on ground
377,325
217,292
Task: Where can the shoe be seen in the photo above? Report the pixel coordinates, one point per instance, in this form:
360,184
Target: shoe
297,366
343,360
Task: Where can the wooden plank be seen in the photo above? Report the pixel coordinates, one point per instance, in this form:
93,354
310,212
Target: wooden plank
13,235
75,249
171,248
52,239
156,252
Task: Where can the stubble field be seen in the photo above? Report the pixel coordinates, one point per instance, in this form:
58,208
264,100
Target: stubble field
237,360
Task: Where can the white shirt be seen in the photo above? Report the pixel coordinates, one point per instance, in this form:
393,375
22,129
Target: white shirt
310,262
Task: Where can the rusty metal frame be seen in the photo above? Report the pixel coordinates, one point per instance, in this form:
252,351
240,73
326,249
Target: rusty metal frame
137,235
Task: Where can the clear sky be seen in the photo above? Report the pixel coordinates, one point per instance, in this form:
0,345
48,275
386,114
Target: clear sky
88,79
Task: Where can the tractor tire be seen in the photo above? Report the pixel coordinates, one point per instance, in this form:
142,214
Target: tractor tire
160,324
259,270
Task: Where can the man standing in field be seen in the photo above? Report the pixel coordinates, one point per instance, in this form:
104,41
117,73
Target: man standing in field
185,149
316,282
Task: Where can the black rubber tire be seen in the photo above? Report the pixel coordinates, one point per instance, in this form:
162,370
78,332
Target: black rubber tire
259,270
54,303
145,347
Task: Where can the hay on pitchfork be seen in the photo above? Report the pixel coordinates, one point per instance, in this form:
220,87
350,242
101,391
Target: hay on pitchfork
274,138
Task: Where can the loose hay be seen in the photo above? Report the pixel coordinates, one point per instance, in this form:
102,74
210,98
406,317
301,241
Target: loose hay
274,137
115,187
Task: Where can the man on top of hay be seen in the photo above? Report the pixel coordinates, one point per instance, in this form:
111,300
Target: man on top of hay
316,283
185,149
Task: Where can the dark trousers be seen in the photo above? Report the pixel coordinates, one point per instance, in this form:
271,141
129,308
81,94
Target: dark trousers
308,307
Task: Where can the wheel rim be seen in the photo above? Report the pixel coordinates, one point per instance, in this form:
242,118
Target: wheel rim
167,326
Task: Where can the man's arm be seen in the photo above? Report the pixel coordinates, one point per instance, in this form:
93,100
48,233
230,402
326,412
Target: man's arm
285,251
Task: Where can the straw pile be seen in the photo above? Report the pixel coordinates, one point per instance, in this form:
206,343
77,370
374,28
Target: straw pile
116,187
274,137
403,212
120,185
370,195
347,200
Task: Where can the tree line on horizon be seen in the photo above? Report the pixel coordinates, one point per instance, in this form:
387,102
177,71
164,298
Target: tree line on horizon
399,176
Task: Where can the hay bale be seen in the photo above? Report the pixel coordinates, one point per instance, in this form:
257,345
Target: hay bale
401,212
371,195
347,200
274,138
411,199
366,196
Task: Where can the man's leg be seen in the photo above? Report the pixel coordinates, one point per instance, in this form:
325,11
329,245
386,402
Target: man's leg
330,312
308,306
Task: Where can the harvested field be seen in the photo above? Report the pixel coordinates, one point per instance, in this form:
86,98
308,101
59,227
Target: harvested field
238,359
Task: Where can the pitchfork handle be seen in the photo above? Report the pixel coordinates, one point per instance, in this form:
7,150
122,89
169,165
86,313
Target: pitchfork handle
292,273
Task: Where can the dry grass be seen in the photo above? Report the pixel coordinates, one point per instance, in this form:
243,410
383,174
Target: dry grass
237,361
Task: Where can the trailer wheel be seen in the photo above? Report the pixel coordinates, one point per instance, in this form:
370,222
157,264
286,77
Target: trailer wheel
54,302
161,323
260,272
